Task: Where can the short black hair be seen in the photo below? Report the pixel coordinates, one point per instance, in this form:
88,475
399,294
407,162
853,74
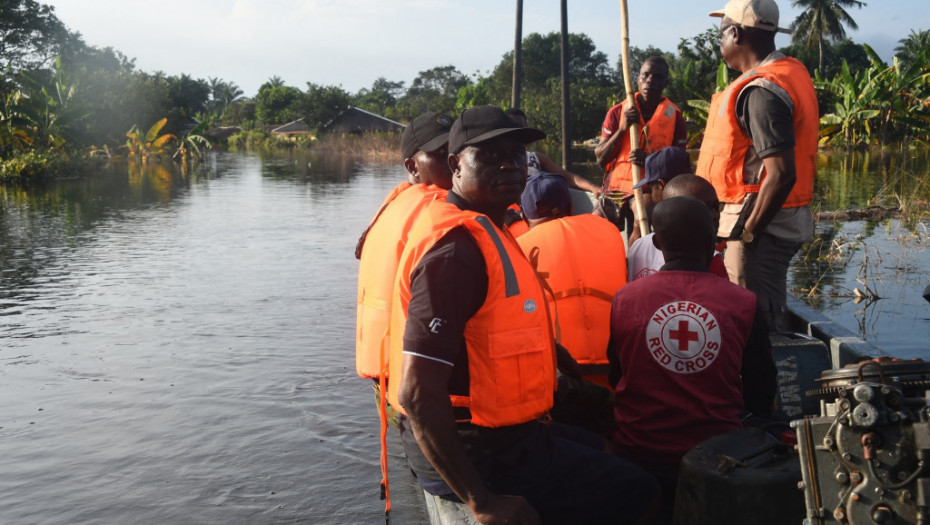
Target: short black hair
660,60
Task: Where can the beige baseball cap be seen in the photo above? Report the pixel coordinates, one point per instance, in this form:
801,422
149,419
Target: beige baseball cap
762,14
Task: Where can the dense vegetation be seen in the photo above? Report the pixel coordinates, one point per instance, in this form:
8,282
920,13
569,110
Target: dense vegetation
62,101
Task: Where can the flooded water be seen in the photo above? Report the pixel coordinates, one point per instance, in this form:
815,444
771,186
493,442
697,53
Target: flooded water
884,258
180,349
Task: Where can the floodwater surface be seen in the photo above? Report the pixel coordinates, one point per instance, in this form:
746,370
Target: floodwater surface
180,349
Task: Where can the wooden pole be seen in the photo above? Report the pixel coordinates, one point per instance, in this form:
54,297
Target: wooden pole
517,58
638,205
566,97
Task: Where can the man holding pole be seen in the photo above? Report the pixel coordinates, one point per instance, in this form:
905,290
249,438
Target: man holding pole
660,125
759,152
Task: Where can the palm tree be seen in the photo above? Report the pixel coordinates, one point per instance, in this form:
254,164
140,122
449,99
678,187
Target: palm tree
912,48
820,21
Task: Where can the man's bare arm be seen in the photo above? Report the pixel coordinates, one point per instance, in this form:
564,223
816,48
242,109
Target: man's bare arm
424,396
575,181
606,149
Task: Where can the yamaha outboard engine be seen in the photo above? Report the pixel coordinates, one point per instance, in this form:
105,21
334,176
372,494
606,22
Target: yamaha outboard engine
866,459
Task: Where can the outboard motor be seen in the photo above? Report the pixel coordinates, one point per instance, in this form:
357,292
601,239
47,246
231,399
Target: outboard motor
866,459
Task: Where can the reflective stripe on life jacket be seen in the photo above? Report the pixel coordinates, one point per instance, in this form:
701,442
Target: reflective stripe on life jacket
380,253
511,356
654,135
725,144
582,259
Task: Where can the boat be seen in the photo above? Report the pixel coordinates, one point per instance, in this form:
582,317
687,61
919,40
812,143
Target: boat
859,452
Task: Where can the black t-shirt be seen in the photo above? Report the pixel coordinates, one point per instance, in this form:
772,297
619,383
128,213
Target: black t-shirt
447,287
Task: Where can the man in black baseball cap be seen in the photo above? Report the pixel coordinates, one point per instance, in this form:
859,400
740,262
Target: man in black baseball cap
476,328
487,155
424,145
482,123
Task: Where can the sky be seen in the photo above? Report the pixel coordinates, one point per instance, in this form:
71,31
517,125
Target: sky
351,43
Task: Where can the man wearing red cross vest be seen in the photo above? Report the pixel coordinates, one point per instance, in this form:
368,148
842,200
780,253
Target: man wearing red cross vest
688,355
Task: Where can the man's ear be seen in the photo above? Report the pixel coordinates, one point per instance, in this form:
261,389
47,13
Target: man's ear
740,37
656,241
453,161
411,166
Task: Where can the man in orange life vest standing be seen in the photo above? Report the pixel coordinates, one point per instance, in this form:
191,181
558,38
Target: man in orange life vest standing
759,152
660,125
424,144
474,369
688,353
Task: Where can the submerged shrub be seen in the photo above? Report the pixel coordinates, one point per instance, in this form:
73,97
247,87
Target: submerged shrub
35,166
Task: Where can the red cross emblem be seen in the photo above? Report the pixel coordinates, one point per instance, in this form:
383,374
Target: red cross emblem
683,335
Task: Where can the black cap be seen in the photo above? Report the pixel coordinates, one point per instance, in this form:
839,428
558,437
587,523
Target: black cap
665,164
546,195
482,123
428,132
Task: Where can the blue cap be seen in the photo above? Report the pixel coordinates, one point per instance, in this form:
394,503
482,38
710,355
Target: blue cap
546,195
664,165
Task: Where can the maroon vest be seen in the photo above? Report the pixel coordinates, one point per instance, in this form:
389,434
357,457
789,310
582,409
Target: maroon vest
681,337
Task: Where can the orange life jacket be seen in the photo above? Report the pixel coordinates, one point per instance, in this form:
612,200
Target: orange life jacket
380,252
511,356
582,259
654,135
725,144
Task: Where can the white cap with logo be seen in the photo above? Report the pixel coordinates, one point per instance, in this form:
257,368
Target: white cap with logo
762,14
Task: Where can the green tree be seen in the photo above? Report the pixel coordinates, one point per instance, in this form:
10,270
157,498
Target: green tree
914,48
591,86
822,21
31,36
435,89
381,99
276,103
695,71
877,105
222,94
50,108
187,96
321,104
240,113
476,94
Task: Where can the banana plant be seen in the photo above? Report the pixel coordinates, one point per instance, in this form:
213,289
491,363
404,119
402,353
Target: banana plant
14,130
878,104
854,114
50,108
142,146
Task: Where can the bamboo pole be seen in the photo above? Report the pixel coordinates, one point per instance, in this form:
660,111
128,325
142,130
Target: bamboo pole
638,205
